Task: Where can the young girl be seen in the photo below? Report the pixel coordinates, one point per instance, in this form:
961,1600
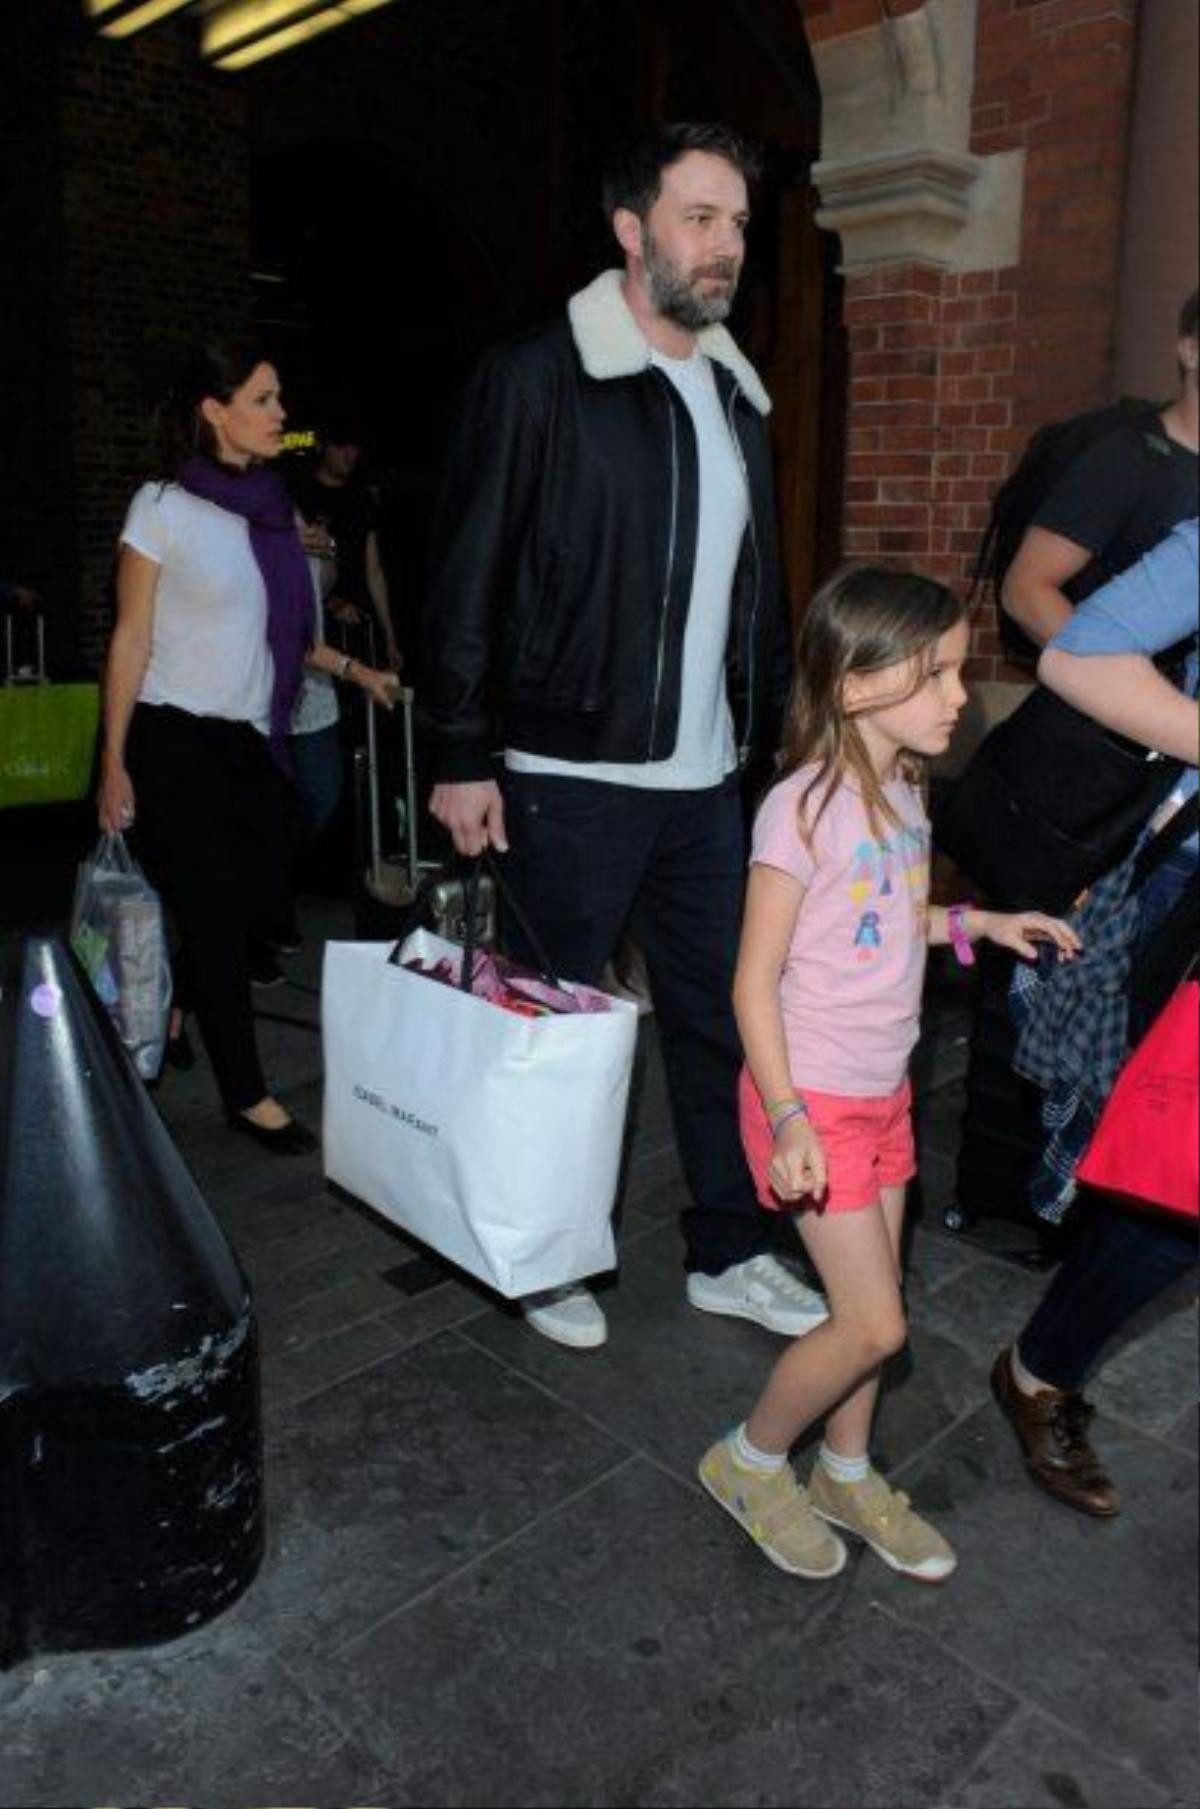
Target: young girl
827,995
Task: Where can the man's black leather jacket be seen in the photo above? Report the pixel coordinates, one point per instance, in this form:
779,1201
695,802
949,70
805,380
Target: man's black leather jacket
563,552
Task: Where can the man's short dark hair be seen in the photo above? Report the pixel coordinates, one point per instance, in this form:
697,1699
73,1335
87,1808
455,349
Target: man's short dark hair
633,178
1189,317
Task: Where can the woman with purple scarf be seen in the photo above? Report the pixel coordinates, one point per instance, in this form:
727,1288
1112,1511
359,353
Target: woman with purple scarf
214,628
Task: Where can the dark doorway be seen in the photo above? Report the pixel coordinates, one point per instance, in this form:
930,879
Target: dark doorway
425,188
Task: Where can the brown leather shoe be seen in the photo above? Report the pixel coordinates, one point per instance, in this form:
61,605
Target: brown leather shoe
1051,1429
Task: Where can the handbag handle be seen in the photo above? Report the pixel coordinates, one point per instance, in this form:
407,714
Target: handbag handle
545,969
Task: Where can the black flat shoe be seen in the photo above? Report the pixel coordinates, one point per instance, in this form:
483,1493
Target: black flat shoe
179,1052
290,1139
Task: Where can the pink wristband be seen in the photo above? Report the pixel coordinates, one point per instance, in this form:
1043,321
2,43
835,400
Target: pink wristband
960,942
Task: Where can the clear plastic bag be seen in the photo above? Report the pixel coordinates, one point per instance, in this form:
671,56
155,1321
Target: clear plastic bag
118,934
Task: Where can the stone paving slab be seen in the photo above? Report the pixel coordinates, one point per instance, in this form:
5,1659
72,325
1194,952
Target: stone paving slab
1039,1764
210,1719
1093,1622
384,1483
634,1648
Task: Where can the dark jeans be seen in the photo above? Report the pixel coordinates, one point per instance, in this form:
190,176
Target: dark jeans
1118,1263
1121,1258
587,860
215,825
319,774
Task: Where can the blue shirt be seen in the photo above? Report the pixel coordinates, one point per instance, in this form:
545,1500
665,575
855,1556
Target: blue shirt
1153,605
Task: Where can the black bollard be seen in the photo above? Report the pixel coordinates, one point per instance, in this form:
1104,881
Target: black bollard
130,1450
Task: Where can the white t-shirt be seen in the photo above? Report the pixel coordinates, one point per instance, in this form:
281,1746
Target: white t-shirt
316,705
208,646
704,748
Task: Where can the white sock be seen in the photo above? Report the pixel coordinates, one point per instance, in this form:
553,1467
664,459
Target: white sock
768,1463
1026,1381
844,1469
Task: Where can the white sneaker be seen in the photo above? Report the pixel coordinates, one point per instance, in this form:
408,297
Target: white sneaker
567,1315
764,1290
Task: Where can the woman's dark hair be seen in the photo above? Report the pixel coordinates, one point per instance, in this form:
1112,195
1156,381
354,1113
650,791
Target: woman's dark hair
633,178
218,369
865,618
1189,317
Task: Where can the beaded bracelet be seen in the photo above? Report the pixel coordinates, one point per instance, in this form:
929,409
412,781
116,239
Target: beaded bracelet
799,1110
956,929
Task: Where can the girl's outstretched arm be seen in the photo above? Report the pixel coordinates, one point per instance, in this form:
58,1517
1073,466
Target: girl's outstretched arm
1025,932
773,900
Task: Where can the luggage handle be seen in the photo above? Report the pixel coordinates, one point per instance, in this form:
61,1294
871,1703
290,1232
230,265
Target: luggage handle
545,969
471,889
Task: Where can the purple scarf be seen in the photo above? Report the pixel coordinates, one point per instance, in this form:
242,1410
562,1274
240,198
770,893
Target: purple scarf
261,498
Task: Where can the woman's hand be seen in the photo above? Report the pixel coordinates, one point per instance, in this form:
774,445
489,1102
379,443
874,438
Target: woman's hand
115,804
798,1166
1025,932
317,541
382,688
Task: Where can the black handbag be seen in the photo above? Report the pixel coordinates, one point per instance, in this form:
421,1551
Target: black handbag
1049,801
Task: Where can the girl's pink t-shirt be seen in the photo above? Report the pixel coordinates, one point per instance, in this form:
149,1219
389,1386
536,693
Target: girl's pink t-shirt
850,992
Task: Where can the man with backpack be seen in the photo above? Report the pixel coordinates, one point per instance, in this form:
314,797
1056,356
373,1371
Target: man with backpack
1051,800
1133,477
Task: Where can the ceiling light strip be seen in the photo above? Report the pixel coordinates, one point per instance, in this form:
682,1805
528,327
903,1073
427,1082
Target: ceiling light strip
121,18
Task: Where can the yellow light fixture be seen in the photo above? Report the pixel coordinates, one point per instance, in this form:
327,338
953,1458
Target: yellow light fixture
241,32
121,18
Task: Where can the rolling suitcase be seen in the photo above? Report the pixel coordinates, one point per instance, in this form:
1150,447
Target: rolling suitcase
403,865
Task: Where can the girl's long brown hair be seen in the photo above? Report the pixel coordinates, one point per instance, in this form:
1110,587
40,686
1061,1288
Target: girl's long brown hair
862,619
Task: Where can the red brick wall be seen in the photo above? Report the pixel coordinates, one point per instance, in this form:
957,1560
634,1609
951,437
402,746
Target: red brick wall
949,373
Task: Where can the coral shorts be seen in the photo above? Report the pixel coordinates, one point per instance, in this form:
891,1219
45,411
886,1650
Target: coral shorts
868,1144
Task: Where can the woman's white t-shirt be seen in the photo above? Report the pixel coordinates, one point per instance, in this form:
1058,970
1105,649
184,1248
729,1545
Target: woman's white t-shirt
208,646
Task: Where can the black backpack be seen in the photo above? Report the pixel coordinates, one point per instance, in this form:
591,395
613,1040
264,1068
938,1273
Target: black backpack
1050,453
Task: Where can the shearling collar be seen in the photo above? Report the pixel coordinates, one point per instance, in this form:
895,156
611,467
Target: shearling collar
611,344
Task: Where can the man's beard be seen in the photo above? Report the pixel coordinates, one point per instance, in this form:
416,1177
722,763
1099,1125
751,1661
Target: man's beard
673,293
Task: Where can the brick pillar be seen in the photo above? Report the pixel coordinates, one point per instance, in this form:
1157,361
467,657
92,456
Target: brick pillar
959,351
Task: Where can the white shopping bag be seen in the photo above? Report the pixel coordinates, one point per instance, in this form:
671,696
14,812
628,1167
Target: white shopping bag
492,1137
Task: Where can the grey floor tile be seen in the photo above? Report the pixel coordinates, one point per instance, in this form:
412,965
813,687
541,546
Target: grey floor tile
930,1385
933,1259
211,1719
669,1380
635,1648
291,1375
1036,1764
984,1307
1094,1622
382,1484
1153,1379
1186,1430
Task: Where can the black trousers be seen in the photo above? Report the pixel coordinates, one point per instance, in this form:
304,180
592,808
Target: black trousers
587,860
215,833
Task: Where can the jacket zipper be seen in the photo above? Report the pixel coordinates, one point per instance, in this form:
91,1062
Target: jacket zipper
670,572
747,736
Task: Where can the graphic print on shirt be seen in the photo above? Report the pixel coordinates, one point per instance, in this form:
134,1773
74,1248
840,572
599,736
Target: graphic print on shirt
879,866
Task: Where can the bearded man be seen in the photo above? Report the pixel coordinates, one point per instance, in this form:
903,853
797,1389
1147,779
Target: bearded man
608,642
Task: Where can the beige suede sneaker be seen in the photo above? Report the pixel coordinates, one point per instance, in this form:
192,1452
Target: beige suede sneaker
776,1513
883,1518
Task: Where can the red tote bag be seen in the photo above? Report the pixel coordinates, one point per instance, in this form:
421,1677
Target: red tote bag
1147,1143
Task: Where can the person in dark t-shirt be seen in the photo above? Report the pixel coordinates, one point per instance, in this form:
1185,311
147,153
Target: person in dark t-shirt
1116,501
332,494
